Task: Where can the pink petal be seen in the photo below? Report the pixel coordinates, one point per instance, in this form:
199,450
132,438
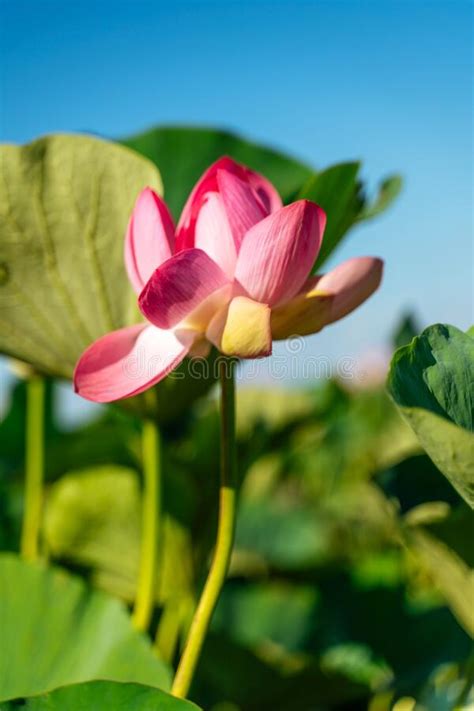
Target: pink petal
126,362
150,238
277,253
268,195
213,234
206,183
262,189
351,282
179,286
242,205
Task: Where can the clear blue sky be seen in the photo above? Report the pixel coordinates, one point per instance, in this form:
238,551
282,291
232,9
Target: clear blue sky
387,82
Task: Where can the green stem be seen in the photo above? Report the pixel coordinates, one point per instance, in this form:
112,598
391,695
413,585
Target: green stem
225,537
34,467
151,515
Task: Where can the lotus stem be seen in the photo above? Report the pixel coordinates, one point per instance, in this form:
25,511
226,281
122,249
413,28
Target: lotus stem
34,467
151,524
225,536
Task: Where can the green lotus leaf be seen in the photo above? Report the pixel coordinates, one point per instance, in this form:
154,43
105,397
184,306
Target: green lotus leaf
443,551
340,192
64,207
183,154
432,382
57,631
105,695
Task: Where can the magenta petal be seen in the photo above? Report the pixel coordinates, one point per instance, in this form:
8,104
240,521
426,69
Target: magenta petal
150,238
262,190
277,253
213,234
351,282
242,205
268,195
179,286
207,183
126,362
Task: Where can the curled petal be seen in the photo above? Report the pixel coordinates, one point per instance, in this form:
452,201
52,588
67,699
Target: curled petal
242,328
150,238
128,361
277,253
179,286
351,283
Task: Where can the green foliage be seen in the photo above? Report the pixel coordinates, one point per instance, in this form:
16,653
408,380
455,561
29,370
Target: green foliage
267,612
93,519
444,550
415,481
435,373
57,631
255,680
405,331
182,155
105,695
389,190
432,382
64,209
331,599
340,193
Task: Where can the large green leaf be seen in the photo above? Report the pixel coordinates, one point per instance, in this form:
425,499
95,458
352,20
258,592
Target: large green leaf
432,382
97,695
339,191
450,569
64,205
56,631
415,481
184,153
436,372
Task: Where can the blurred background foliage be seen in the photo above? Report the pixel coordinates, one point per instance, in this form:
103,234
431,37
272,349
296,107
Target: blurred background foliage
349,584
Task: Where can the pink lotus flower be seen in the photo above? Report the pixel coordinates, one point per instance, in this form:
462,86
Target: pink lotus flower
234,274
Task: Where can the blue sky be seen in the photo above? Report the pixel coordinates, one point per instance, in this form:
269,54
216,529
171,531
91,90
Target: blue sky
386,82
